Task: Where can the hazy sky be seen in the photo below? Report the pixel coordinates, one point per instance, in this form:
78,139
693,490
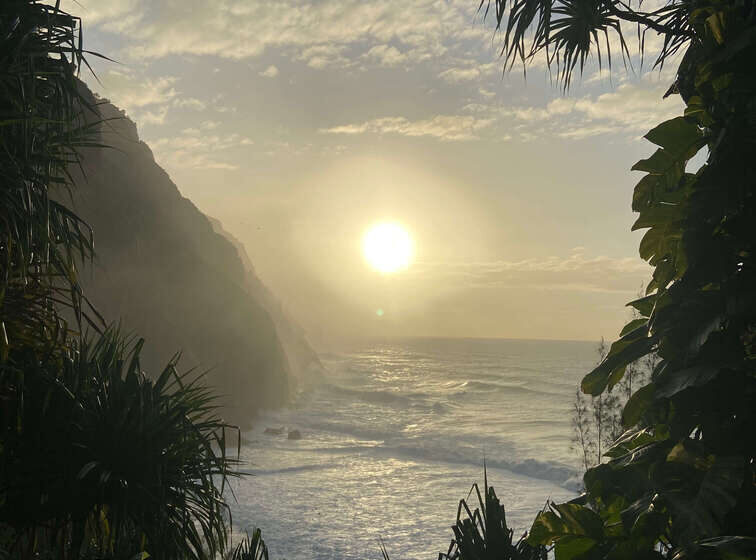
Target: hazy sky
299,124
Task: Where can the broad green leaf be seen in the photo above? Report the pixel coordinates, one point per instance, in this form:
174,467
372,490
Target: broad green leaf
636,438
563,520
696,109
632,325
716,24
616,376
659,163
622,352
631,513
650,243
597,479
637,405
642,456
659,214
644,305
645,191
684,452
546,528
702,513
731,548
722,82
678,137
649,523
676,381
572,547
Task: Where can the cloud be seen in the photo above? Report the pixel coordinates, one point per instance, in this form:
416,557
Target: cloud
150,117
322,56
456,75
630,110
147,100
573,272
270,72
472,71
443,127
111,15
130,91
197,148
189,103
385,32
633,107
386,55
219,104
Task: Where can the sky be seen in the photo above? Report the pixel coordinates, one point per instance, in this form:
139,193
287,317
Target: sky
299,124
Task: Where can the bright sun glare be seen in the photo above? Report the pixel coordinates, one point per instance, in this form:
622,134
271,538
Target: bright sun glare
387,247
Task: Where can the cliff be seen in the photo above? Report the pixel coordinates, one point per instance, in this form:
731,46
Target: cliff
300,355
167,274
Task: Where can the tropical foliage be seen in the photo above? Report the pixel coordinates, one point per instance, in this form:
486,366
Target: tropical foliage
107,460
679,482
483,534
96,459
251,548
597,420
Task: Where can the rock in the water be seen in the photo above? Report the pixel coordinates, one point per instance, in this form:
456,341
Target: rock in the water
274,431
295,434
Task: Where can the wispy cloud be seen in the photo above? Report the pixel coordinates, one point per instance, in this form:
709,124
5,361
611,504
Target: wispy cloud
386,55
572,272
389,32
131,92
323,56
630,110
443,127
199,148
112,15
189,103
270,72
470,72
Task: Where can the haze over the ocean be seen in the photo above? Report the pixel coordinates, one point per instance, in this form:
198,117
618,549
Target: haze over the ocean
300,124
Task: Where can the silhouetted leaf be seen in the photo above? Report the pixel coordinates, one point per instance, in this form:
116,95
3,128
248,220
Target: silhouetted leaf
637,404
680,137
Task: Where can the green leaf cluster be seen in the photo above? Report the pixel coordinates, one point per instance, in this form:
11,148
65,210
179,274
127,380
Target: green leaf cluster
96,459
102,459
680,481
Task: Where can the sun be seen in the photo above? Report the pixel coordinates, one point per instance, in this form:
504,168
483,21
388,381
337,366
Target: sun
387,247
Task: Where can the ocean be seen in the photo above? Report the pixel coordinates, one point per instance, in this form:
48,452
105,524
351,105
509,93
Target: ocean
394,434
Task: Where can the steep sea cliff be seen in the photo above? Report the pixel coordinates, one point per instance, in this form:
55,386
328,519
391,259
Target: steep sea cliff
169,273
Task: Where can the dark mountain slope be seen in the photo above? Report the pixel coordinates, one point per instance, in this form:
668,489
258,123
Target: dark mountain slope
164,271
302,358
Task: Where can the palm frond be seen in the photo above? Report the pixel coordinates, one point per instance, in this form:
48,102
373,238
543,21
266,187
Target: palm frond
568,32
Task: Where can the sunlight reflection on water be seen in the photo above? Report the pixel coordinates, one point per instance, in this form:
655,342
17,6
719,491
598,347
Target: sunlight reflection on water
394,436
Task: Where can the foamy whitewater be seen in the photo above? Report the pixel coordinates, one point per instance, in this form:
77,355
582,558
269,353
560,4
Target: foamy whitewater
395,433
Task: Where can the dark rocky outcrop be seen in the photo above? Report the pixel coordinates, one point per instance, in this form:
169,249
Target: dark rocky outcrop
164,270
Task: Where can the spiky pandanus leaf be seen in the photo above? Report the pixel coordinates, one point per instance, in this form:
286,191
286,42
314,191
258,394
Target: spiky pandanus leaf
251,548
483,533
147,458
